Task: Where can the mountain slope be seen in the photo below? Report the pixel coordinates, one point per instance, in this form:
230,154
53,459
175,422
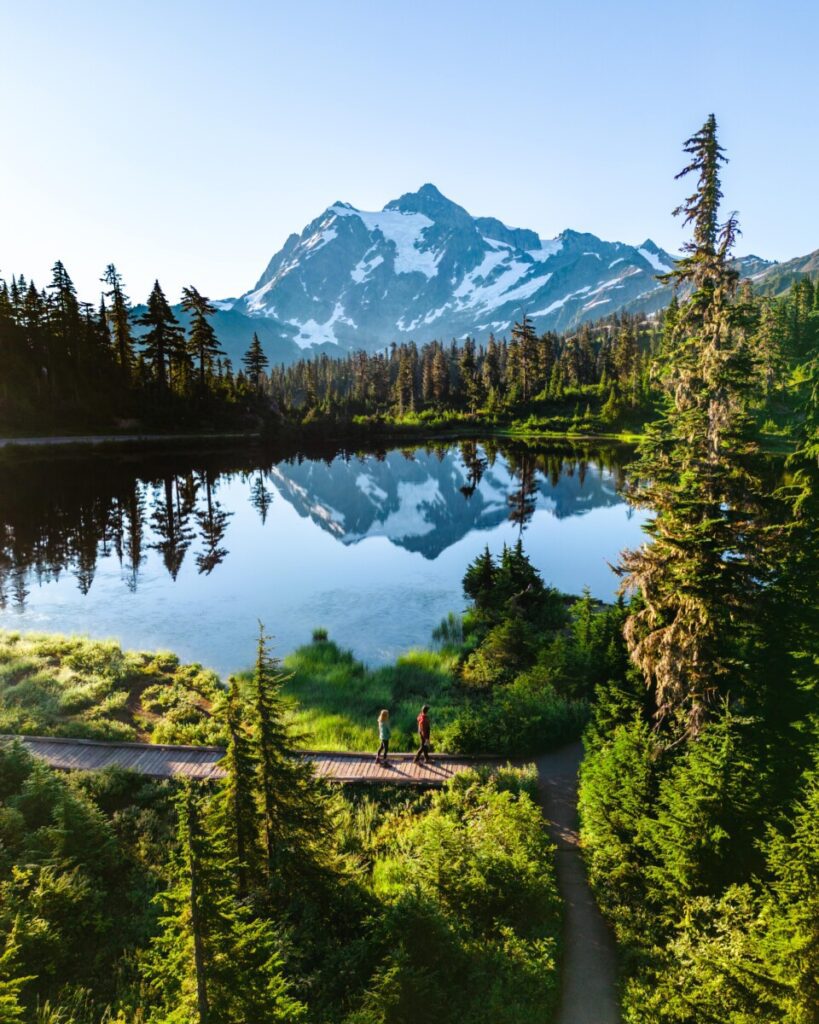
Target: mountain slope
776,278
424,268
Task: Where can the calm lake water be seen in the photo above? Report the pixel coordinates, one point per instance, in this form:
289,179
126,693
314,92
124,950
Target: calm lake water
186,551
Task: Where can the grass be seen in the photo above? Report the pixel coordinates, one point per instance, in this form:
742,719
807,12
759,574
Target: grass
337,699
72,686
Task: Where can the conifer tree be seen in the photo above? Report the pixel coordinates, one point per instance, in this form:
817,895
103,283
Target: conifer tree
240,807
203,345
255,361
479,579
214,963
65,308
525,340
697,474
164,340
292,809
120,319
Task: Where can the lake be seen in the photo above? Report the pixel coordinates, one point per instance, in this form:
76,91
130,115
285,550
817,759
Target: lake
187,550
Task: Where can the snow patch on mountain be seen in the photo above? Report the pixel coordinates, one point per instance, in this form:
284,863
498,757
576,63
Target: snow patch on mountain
493,282
312,333
654,260
365,266
548,247
320,239
406,232
558,303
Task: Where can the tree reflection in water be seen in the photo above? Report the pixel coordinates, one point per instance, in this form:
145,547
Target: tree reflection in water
60,513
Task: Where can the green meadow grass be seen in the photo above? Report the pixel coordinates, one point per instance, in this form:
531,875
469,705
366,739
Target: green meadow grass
337,699
72,686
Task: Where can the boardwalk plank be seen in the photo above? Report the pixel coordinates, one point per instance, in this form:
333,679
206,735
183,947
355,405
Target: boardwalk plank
202,763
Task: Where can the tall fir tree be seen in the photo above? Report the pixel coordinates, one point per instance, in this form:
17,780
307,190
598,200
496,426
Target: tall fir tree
291,805
698,474
164,339
119,318
255,361
203,345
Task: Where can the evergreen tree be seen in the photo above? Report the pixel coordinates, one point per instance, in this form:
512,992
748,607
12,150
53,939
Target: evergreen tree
525,339
292,810
479,579
203,345
240,808
255,361
163,342
214,963
697,474
120,319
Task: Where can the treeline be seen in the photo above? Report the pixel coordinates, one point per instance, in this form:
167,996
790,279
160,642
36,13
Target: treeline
614,353
606,373
699,800
266,896
64,362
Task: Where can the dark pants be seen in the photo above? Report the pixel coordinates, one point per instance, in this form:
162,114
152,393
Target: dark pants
423,750
384,749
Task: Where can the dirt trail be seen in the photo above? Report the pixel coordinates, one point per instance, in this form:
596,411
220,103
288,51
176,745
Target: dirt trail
589,982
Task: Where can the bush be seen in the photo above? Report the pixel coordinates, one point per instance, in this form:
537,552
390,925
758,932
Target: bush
520,719
470,911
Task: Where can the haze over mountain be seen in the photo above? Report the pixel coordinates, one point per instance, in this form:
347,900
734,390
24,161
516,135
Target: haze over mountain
423,268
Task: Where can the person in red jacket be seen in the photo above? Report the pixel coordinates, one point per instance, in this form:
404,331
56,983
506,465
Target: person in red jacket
423,735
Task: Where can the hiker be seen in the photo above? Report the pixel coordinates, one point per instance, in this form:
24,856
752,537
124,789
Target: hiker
423,735
384,733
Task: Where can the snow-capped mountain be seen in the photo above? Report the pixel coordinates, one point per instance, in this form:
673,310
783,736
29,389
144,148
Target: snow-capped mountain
427,503
424,268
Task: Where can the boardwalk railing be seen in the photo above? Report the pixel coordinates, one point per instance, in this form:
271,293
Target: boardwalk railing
165,761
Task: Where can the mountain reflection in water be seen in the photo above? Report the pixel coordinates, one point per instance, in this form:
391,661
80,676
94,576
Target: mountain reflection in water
187,550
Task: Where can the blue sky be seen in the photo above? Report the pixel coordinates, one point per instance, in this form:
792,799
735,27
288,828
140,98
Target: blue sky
187,140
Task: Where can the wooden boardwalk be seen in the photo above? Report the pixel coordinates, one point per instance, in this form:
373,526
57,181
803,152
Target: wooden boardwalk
157,760
164,761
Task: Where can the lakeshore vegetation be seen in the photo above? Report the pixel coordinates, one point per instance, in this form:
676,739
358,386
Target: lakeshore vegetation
270,896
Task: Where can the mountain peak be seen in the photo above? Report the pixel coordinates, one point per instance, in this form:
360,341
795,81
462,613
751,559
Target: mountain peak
424,268
431,191
430,201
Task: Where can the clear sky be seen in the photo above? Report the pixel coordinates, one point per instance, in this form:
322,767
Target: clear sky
186,140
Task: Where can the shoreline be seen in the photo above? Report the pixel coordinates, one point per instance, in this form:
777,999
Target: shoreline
94,440
392,434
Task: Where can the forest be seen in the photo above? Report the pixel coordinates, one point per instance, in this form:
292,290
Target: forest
71,365
272,896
